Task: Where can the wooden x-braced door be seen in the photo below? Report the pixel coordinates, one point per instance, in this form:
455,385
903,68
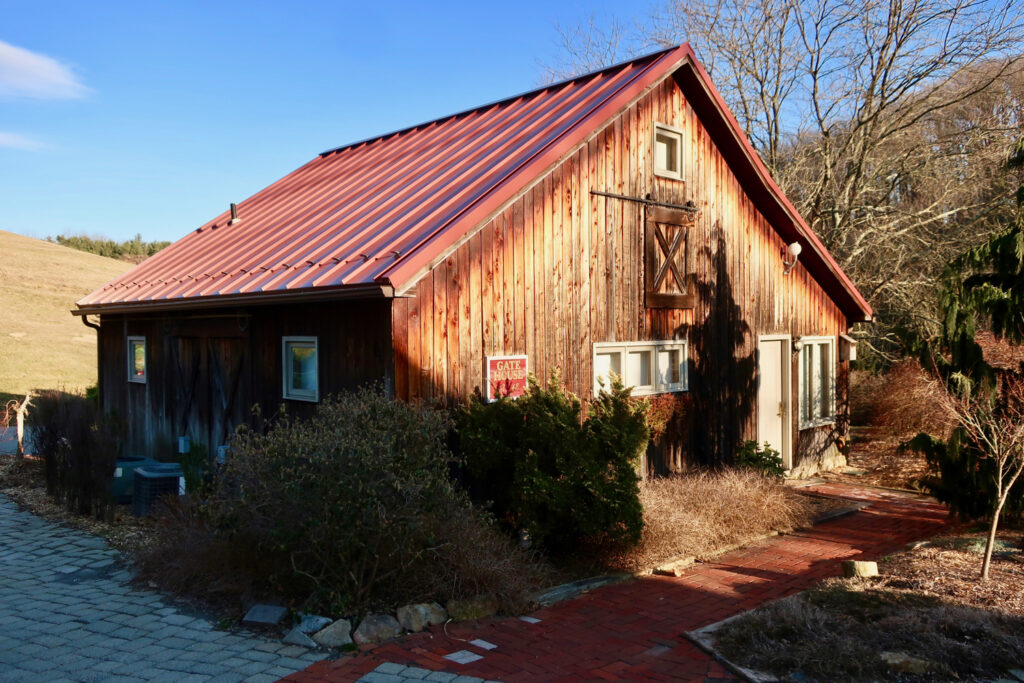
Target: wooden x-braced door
667,284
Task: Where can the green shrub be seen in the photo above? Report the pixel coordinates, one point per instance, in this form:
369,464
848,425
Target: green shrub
765,460
79,447
349,510
564,479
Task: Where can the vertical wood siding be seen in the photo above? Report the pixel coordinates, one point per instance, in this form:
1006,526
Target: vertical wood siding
559,269
207,370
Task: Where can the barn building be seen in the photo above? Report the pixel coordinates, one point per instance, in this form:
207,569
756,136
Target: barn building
619,221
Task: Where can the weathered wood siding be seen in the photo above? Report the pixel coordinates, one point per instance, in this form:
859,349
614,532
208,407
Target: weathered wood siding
206,370
560,268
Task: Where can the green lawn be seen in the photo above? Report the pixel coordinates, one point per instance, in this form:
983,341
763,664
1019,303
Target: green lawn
43,346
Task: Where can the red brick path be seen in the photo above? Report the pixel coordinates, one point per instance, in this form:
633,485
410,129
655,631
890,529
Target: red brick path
634,630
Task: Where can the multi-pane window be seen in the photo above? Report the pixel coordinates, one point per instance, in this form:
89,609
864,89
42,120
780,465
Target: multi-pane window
137,359
301,379
817,381
650,367
668,152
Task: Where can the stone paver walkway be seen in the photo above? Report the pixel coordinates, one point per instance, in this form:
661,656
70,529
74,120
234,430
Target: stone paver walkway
634,630
67,613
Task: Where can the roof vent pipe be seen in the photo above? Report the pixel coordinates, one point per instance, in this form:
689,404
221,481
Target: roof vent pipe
234,214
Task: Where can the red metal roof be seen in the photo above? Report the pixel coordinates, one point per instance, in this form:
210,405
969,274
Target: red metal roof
381,211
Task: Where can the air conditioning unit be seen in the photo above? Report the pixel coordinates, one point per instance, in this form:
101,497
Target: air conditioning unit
122,485
153,482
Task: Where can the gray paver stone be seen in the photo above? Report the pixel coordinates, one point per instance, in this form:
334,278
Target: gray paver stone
265,615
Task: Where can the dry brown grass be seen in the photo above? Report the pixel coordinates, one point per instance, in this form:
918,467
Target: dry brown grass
904,403
928,603
43,345
699,514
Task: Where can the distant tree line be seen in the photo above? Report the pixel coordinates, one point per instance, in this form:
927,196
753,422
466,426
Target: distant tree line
133,250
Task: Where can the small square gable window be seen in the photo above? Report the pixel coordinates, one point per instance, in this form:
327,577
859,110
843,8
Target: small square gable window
137,359
301,373
668,152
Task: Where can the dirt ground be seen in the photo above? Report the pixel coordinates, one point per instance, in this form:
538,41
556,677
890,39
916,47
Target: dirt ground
875,460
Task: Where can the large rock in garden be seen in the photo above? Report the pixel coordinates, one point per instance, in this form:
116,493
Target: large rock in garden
904,663
297,637
376,628
854,569
415,618
311,623
335,635
474,608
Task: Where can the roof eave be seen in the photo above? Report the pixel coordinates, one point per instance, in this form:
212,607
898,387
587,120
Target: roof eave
310,294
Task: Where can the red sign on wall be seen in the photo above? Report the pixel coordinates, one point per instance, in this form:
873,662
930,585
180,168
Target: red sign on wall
506,376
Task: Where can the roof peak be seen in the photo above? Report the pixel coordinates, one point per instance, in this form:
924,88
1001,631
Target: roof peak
505,100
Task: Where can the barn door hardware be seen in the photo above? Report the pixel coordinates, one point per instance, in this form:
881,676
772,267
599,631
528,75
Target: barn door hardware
688,206
665,256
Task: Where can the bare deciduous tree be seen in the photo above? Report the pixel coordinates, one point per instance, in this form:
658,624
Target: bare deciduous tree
993,423
884,121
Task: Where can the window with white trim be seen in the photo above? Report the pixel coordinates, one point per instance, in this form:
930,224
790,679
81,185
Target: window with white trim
300,369
137,359
650,367
817,369
668,152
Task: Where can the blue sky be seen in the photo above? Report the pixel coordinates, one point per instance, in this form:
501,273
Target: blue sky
146,117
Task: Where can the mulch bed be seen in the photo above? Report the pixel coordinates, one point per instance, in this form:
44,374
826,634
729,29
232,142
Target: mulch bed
928,610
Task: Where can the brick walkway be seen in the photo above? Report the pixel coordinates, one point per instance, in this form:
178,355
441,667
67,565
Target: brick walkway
635,630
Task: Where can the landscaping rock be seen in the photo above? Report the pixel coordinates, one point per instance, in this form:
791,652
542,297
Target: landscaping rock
904,663
312,623
376,628
265,615
854,568
475,608
415,618
297,637
335,635
674,568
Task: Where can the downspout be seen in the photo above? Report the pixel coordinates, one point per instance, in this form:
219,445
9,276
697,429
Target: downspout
99,356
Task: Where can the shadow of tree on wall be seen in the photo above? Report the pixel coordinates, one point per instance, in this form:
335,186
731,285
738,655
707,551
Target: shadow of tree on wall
723,364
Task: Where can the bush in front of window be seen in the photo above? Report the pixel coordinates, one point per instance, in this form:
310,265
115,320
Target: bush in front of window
565,479
79,448
351,509
765,460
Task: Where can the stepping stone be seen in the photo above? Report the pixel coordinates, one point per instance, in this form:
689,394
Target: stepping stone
463,657
265,615
483,644
530,620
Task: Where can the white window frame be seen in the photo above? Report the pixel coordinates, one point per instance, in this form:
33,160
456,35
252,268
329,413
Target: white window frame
286,369
677,134
132,377
653,347
826,345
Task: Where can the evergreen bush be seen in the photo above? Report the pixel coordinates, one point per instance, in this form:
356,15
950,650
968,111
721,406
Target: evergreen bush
563,478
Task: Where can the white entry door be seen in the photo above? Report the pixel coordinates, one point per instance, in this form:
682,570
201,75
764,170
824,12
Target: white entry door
773,404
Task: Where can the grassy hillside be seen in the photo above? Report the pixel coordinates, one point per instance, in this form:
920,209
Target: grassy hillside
43,346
